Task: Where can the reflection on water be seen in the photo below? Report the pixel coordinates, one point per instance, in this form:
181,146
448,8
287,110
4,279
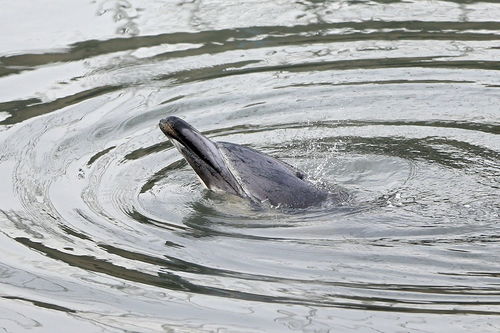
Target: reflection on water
105,227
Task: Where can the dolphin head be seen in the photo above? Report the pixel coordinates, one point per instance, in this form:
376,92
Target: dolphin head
240,170
202,154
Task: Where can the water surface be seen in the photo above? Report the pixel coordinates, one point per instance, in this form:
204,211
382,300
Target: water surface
105,228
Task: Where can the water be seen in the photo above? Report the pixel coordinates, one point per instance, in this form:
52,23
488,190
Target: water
105,228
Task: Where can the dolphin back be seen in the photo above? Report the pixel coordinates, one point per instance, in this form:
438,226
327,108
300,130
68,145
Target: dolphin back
267,179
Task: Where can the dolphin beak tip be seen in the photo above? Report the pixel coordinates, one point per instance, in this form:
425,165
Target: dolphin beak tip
163,125
168,125
175,128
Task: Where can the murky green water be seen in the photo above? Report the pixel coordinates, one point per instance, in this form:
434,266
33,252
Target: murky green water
105,228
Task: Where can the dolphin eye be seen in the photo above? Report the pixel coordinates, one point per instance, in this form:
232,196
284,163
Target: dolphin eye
299,175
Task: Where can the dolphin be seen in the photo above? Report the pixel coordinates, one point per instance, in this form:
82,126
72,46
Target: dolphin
242,171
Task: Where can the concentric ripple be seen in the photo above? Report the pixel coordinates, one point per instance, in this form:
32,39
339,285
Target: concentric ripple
105,227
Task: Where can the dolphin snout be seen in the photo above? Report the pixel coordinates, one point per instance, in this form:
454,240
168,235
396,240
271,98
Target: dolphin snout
170,120
171,126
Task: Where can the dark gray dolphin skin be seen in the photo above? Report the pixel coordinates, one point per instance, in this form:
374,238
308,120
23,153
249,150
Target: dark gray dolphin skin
242,171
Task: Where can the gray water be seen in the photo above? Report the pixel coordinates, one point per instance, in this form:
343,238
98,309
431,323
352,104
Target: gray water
104,228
